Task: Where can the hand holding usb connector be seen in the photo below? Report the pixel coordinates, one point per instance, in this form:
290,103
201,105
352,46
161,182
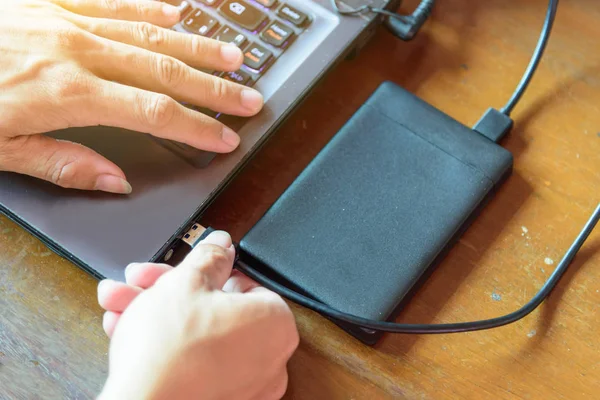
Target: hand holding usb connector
196,331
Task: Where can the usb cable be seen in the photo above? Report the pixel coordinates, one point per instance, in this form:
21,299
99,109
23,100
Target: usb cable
495,124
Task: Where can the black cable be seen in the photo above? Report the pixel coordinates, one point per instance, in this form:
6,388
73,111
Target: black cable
535,60
432,328
403,26
407,26
496,124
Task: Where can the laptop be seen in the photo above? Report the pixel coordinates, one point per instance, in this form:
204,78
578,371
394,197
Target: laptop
288,44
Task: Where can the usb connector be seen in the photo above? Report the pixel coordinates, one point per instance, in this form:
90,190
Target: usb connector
196,233
494,125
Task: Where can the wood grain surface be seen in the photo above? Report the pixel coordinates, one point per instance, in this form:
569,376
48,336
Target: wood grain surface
469,57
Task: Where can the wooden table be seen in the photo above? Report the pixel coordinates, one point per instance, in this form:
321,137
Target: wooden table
468,58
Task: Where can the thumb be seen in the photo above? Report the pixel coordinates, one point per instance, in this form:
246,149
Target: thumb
208,266
63,163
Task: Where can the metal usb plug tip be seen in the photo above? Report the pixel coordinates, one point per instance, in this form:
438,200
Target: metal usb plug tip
194,235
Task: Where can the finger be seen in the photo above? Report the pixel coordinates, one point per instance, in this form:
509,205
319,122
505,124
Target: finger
259,295
116,296
153,12
145,275
211,261
276,388
164,74
239,283
63,163
157,114
194,50
109,322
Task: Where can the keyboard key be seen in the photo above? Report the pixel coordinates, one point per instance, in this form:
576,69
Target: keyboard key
267,3
243,14
256,56
278,34
183,6
229,35
211,3
292,14
200,23
241,77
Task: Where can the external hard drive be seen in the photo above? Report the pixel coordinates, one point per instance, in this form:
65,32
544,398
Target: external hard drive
380,205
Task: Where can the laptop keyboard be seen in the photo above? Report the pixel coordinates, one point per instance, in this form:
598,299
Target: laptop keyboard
263,29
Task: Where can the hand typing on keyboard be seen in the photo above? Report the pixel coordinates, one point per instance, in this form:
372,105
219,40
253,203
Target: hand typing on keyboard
262,29
74,63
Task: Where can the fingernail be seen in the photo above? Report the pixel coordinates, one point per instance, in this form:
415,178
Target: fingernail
129,268
103,284
112,184
252,100
231,53
170,11
219,238
230,138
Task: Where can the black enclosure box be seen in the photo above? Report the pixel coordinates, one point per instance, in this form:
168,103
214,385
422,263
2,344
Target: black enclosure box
380,205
